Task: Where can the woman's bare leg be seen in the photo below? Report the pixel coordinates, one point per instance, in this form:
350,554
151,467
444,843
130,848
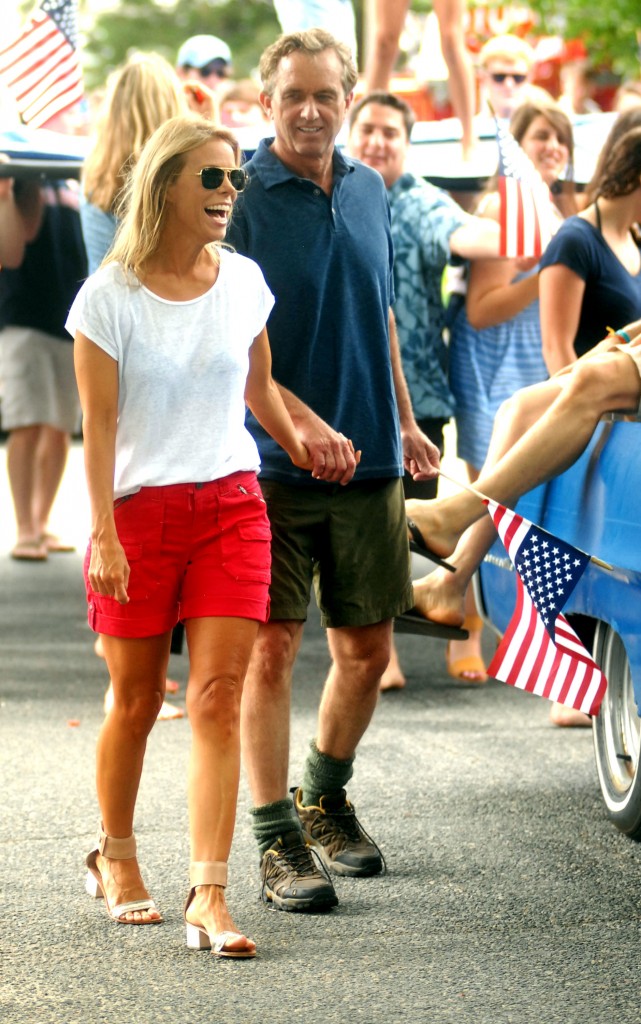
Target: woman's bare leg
219,652
461,82
137,668
389,18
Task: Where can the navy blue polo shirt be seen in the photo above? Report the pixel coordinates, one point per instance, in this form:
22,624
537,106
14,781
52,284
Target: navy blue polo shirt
328,261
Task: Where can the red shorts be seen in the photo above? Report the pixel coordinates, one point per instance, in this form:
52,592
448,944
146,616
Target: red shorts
194,550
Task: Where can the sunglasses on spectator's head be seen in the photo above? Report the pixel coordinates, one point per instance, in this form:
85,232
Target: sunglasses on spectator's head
213,177
500,76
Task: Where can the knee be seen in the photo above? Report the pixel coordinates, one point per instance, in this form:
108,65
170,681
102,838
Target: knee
511,408
588,390
273,657
215,704
366,667
137,714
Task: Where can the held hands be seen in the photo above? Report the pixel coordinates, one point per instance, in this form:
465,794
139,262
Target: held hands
330,455
421,457
109,569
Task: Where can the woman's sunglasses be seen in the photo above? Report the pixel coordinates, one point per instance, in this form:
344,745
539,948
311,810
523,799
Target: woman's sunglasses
500,76
213,177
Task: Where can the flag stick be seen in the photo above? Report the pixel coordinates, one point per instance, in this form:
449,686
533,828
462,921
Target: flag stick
465,487
484,497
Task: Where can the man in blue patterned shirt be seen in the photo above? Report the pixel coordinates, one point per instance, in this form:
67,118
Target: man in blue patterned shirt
428,227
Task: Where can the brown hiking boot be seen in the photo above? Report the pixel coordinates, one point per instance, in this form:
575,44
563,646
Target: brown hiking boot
291,877
337,836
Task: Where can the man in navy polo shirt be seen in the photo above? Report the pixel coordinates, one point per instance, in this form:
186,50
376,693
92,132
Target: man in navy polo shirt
318,224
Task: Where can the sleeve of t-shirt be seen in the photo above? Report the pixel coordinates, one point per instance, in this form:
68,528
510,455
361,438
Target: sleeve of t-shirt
264,301
571,247
93,312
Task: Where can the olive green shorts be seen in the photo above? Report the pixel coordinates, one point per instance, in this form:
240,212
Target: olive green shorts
350,542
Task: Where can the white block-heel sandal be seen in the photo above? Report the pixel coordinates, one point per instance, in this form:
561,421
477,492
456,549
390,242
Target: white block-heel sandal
115,849
211,873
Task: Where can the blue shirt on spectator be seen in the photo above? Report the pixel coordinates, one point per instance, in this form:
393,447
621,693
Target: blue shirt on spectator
423,220
612,294
328,261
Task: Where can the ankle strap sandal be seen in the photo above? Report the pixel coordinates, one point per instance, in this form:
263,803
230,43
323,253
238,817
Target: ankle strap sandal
115,849
213,872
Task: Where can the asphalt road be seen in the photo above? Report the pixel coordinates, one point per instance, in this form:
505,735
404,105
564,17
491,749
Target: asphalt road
508,898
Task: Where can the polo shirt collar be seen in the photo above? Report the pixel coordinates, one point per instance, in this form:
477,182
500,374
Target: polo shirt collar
272,171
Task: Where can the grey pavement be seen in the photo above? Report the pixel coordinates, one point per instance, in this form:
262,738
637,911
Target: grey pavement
508,897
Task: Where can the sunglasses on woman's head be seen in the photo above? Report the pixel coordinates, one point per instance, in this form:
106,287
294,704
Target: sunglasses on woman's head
213,177
500,76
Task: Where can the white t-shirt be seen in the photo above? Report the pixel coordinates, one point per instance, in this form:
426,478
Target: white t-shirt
182,370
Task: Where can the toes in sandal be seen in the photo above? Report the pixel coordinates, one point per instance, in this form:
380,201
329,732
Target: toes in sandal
211,873
115,849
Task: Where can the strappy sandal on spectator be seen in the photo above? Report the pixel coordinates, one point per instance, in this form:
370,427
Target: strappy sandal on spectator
471,669
211,873
116,849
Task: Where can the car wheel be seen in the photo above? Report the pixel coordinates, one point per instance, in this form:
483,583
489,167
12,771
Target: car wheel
616,731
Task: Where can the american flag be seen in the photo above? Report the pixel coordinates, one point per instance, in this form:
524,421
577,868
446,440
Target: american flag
540,652
526,213
40,67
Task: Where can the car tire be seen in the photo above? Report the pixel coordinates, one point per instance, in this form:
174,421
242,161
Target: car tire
617,735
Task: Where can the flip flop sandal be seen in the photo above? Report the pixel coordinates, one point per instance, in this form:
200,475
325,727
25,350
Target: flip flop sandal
419,547
55,545
29,551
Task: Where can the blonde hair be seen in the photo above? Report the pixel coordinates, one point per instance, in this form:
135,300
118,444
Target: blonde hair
142,203
140,96
311,42
506,47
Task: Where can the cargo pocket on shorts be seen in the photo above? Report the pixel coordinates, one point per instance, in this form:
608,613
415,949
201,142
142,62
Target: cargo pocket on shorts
246,538
139,526
143,570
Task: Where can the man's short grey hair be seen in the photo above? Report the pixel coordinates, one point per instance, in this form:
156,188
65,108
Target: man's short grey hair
312,41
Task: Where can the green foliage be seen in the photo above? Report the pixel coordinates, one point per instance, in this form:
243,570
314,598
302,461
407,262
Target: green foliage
610,31
247,26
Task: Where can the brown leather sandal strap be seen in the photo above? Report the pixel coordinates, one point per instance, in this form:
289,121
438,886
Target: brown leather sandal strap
208,872
116,849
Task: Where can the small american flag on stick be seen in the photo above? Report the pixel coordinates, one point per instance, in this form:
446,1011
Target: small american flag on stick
526,213
40,67
540,652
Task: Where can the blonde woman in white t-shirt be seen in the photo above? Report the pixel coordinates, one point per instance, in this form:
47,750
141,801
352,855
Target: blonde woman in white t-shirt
170,343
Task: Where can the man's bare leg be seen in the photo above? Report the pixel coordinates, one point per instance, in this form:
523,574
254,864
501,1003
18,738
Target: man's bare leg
265,710
359,658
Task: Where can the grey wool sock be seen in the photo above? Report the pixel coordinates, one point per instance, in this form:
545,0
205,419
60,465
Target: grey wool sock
273,820
323,775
